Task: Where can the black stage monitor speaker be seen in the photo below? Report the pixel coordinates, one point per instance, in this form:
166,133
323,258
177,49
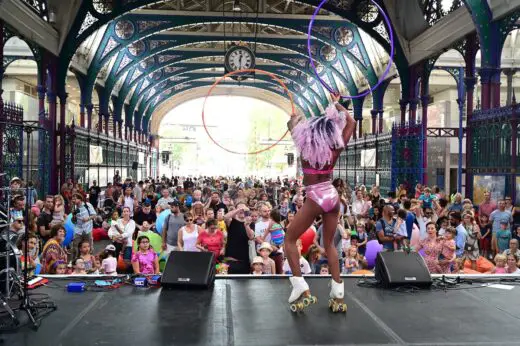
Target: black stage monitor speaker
135,164
395,269
186,269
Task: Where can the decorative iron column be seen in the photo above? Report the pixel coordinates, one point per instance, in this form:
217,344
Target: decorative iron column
89,108
41,103
1,92
100,122
486,75
115,125
63,136
413,110
374,113
120,128
514,146
380,121
509,72
403,104
424,126
107,117
82,115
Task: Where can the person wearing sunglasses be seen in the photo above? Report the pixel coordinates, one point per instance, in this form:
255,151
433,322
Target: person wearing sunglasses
188,234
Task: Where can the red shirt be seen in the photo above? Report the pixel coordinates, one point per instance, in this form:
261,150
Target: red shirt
212,242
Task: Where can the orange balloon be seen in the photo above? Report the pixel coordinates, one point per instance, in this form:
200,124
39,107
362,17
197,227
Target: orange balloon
217,82
307,239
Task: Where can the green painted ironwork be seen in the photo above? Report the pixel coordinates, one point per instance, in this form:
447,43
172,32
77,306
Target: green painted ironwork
11,141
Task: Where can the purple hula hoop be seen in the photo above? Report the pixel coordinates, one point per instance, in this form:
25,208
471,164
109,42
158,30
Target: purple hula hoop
383,76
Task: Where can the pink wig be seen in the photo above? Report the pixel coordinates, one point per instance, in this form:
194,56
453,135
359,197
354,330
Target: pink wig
317,137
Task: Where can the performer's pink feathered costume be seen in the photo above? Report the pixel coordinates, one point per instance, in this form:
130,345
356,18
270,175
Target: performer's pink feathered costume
317,139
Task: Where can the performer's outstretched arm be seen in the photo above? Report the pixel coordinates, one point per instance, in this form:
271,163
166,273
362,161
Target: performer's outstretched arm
349,128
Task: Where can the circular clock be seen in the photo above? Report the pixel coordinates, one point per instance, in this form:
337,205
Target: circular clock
239,58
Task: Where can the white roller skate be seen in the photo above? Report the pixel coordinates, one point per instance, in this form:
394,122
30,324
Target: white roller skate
337,292
301,295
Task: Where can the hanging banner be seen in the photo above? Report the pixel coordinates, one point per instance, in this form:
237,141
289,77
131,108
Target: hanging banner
368,158
141,158
96,155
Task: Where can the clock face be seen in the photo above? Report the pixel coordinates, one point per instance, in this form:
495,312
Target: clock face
239,58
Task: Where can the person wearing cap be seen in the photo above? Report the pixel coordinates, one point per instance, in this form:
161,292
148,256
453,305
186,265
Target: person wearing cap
109,263
17,225
171,227
257,265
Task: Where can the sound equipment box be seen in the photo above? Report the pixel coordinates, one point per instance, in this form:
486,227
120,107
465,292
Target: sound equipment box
186,269
395,269
135,165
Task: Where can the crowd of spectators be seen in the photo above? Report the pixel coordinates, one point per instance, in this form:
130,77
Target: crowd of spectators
242,221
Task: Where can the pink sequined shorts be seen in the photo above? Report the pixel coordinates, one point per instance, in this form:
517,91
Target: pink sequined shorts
324,194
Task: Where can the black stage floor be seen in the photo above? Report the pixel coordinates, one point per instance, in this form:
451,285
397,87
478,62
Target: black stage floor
255,312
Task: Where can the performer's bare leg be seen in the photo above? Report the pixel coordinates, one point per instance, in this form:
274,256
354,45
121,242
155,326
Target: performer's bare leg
300,295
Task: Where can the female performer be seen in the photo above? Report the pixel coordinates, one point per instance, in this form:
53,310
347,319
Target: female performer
319,141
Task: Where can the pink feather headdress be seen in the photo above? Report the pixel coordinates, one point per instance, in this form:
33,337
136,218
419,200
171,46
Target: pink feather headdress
317,137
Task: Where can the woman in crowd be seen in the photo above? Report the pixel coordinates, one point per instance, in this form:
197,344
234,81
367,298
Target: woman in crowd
319,141
53,250
431,247
211,239
512,264
188,234
121,234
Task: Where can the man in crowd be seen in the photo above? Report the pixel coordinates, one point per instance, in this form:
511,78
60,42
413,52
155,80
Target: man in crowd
83,213
45,218
172,224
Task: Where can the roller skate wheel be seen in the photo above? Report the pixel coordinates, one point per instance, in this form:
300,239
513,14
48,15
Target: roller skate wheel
294,308
314,300
306,301
331,302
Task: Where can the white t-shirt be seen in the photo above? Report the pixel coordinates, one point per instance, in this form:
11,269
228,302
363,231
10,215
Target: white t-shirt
260,227
304,266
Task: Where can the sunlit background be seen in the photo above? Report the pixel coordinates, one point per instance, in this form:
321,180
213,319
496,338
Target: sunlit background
239,124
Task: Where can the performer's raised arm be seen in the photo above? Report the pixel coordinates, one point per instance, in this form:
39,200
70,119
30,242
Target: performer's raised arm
349,128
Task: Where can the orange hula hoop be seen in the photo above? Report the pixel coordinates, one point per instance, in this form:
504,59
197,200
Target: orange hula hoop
217,82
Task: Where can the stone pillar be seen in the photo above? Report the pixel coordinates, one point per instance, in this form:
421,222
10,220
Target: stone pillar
89,108
509,74
403,104
374,113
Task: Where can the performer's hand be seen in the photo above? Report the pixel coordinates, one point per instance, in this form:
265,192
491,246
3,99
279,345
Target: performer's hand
335,97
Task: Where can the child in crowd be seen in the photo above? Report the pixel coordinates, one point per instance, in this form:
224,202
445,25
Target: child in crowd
79,267
84,254
363,238
400,230
447,250
458,267
313,254
268,264
275,229
503,237
32,250
324,270
145,260
304,265
500,264
109,263
221,224
58,213
345,242
351,261
59,268
257,265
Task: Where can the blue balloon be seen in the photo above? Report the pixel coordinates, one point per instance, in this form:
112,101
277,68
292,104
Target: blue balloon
159,223
69,231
